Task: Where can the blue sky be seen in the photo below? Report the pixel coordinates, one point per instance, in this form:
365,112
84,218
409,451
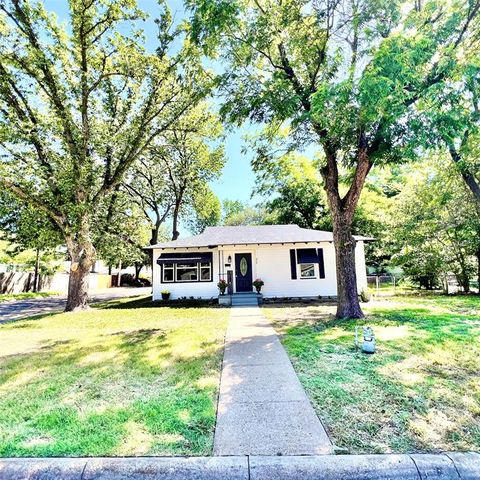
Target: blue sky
237,179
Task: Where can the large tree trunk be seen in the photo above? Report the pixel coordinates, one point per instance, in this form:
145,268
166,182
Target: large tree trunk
154,237
176,211
78,287
342,211
463,274
348,305
138,269
464,282
82,257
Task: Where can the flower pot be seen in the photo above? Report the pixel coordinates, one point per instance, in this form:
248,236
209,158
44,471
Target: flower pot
165,296
258,289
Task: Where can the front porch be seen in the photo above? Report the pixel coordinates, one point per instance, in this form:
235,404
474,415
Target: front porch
240,299
238,267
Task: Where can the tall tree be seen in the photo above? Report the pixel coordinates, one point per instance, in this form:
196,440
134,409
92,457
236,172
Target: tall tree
28,229
451,115
435,230
236,212
170,176
292,187
344,74
187,156
79,104
148,187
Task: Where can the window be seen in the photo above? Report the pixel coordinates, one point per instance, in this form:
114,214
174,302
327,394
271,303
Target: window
168,273
185,267
187,272
307,270
307,258
205,272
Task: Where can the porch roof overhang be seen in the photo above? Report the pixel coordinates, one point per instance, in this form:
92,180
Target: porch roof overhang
197,257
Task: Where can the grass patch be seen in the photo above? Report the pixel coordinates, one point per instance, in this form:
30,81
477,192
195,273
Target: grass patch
116,381
147,302
419,393
6,297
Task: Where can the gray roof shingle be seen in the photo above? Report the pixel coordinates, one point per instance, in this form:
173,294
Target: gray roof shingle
249,235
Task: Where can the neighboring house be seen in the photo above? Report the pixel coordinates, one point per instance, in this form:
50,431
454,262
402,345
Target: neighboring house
292,261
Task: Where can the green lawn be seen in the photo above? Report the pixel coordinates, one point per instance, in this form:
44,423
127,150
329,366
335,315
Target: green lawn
5,297
118,381
419,392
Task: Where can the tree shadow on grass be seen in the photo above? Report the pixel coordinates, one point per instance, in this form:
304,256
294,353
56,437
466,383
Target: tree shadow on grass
417,393
27,321
147,302
122,394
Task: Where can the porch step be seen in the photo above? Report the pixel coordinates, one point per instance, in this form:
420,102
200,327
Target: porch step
244,302
245,299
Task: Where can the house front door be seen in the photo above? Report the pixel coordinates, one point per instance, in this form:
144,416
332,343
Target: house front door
243,272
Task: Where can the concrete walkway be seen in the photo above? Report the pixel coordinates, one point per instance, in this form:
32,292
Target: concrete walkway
262,408
18,309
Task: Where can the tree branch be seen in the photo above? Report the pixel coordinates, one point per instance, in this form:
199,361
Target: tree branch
19,192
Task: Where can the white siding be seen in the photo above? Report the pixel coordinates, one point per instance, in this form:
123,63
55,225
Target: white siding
187,289
360,266
271,263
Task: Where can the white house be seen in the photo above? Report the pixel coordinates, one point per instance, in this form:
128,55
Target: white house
292,261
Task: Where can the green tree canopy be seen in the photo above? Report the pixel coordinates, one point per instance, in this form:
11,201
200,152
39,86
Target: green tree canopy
433,227
27,227
205,209
236,212
168,181
345,75
79,104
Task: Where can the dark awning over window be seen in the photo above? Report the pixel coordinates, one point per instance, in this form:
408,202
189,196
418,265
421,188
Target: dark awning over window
193,257
307,255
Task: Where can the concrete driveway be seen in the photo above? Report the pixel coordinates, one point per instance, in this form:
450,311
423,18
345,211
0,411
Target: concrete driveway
19,309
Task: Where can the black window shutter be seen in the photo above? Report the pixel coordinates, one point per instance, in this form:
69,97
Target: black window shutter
321,264
293,264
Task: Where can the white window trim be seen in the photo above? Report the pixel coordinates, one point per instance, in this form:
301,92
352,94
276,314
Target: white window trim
198,268
172,268
209,266
307,278
186,281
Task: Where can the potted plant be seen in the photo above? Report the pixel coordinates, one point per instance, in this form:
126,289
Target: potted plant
258,284
222,286
165,295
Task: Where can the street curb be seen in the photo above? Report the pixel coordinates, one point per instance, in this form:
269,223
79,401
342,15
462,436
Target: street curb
446,466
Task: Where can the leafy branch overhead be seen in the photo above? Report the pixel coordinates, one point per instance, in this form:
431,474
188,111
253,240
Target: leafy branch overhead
83,106
345,75
171,178
79,104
